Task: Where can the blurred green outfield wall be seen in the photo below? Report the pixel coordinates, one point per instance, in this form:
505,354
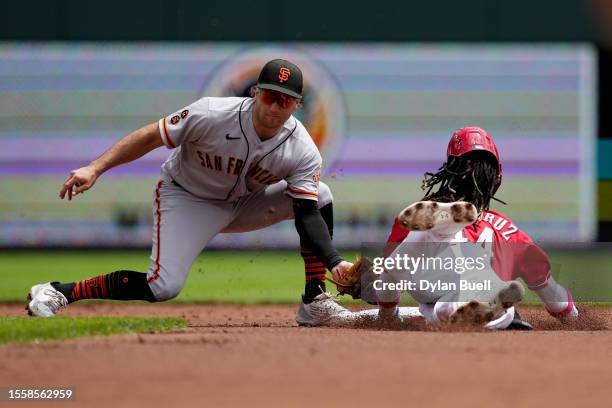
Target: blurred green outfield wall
314,20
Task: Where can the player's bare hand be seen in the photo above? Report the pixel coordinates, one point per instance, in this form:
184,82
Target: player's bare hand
340,270
79,181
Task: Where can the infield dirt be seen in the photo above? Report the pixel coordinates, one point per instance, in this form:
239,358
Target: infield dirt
257,356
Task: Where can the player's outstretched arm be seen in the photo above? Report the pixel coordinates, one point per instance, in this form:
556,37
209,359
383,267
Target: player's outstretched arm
311,227
129,148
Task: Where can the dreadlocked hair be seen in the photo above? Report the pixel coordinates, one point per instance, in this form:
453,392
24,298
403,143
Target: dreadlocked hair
471,177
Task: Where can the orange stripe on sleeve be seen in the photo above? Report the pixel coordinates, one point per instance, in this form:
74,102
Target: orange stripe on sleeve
301,192
167,135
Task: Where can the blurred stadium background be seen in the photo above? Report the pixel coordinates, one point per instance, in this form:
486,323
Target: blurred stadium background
387,83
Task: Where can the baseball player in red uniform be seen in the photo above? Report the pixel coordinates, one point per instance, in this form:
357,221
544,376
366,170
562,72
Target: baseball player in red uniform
237,164
458,211
455,210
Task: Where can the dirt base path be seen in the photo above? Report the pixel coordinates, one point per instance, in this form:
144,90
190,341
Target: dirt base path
256,356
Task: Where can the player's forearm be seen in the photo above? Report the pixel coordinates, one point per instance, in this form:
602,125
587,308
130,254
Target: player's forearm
311,228
129,148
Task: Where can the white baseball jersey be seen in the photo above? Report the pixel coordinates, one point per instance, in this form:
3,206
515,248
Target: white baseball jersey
219,156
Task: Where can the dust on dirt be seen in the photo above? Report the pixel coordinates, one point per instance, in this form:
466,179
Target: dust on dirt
257,356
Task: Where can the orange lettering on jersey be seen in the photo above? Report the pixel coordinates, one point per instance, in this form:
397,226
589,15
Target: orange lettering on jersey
218,163
230,164
213,163
208,162
283,74
202,160
254,169
238,168
261,175
267,180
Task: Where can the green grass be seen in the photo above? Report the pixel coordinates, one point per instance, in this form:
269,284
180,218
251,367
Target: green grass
27,329
587,274
248,277
244,277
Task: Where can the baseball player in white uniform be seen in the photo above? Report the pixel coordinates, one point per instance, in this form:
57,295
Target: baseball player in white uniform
237,164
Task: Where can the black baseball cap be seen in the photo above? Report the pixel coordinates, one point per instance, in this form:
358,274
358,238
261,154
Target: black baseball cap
281,76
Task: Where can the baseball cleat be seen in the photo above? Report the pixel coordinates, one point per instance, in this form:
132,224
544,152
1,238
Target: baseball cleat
518,323
475,312
432,215
45,301
323,311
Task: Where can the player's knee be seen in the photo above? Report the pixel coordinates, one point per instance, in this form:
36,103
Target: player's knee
168,291
325,195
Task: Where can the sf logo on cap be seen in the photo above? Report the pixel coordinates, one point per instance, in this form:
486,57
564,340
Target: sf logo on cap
283,74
